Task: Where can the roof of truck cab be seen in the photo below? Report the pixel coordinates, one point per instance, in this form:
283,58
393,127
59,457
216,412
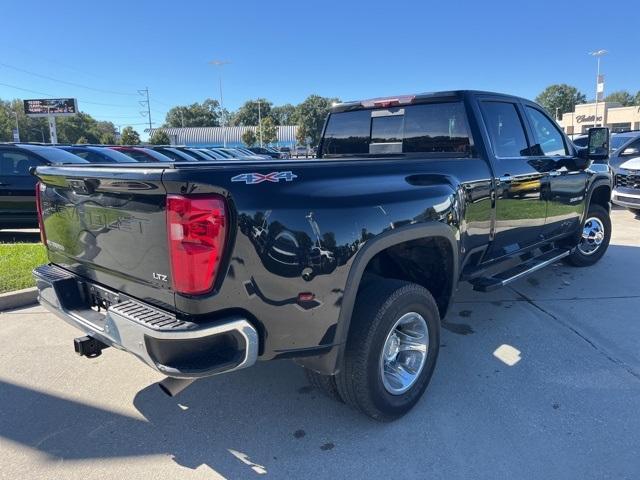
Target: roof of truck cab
418,98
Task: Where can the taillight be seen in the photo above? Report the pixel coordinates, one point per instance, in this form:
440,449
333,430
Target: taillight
43,236
197,230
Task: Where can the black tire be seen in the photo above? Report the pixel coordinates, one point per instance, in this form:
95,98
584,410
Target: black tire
580,259
324,383
378,307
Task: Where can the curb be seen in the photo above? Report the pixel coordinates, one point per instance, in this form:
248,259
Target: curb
19,298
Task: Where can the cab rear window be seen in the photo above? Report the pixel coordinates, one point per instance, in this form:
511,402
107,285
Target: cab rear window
434,128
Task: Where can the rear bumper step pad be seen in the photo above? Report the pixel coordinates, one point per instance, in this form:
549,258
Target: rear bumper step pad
172,346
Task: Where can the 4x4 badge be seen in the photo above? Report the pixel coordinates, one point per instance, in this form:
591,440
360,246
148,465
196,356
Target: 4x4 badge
254,178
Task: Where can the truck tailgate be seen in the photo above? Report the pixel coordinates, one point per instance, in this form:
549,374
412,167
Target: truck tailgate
109,226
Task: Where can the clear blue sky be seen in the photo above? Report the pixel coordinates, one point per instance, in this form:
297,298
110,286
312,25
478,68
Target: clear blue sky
286,50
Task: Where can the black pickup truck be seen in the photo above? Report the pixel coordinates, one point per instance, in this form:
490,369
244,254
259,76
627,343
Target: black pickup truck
345,263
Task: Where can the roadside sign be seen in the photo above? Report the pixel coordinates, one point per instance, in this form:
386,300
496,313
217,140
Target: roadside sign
16,135
56,107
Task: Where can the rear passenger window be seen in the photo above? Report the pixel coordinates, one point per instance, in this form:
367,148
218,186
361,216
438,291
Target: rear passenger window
348,133
16,164
435,128
505,129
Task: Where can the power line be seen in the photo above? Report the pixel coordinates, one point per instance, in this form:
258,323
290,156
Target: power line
58,63
54,96
136,117
79,85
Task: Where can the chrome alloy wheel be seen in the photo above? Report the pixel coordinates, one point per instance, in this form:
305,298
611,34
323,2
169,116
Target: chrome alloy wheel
404,353
592,236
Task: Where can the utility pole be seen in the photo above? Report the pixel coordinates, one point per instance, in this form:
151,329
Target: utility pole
599,83
260,123
146,103
220,64
53,133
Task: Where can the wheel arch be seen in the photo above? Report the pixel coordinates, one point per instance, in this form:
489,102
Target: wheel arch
329,363
392,238
599,193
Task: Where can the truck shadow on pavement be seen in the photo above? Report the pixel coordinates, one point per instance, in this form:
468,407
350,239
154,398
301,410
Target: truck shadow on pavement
227,423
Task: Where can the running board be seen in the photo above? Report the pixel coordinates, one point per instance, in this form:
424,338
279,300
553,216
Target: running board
488,284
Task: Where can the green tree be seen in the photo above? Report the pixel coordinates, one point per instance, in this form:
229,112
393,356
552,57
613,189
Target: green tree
159,137
284,114
70,129
301,135
205,114
249,138
636,99
621,96
82,140
108,139
31,129
129,136
269,130
247,114
311,115
106,132
562,97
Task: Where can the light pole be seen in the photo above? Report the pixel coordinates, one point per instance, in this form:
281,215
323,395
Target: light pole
598,54
259,123
220,64
18,126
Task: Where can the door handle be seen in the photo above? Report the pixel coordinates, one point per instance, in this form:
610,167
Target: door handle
505,178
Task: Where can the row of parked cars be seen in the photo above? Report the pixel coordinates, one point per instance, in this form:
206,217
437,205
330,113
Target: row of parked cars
168,153
17,185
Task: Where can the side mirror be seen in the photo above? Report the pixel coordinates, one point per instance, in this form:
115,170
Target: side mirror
598,143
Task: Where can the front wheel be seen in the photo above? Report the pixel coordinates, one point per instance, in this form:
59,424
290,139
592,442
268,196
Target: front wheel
594,240
391,350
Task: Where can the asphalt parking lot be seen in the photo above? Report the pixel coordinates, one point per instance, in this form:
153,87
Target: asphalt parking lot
538,380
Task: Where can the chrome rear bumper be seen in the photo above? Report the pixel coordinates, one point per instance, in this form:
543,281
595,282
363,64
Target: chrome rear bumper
172,346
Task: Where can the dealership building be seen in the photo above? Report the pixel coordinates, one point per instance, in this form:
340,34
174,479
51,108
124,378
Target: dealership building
610,114
231,136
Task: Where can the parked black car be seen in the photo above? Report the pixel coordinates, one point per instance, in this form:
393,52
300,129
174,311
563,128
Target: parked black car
17,185
346,262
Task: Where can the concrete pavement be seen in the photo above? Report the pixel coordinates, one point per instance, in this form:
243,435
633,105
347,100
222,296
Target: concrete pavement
538,380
